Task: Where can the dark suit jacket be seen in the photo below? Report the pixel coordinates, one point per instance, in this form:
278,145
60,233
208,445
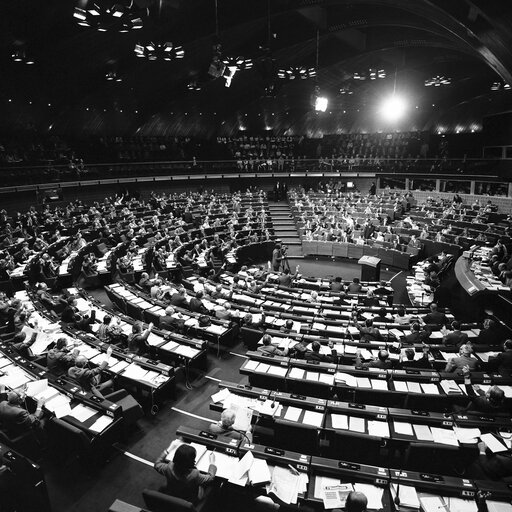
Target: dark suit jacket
197,306
184,486
417,364
502,361
435,317
310,355
178,300
15,418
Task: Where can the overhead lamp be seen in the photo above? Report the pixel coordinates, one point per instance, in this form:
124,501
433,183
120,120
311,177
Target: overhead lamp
193,86
346,90
359,76
117,10
296,73
94,10
80,14
113,77
438,81
393,108
239,62
18,55
496,86
229,74
152,51
321,103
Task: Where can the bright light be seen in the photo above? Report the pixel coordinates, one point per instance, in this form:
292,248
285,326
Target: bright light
321,103
393,108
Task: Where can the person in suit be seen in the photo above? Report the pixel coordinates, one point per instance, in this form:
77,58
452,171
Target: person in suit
463,360
435,317
14,417
286,279
381,362
276,258
401,317
196,304
490,334
224,427
492,402
179,299
171,321
184,480
137,340
356,502
370,300
70,313
502,362
455,338
90,379
417,335
314,353
367,331
268,348
414,364
59,359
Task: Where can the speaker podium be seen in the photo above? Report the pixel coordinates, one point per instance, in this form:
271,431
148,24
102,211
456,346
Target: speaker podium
370,268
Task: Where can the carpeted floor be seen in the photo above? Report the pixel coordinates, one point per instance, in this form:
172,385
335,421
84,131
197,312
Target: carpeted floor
124,476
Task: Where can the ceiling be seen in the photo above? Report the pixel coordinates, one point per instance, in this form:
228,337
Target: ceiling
412,40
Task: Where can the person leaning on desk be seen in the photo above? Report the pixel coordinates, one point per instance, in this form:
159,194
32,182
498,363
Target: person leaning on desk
184,480
90,379
268,348
13,417
225,428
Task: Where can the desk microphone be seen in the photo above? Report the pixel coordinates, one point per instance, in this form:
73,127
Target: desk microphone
397,497
273,404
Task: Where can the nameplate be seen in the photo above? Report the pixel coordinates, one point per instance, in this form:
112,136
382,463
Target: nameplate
313,362
274,451
349,465
298,397
431,478
357,406
208,435
420,413
412,372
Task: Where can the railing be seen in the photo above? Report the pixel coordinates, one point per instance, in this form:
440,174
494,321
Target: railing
19,174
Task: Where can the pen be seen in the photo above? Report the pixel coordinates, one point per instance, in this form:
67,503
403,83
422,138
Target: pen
293,470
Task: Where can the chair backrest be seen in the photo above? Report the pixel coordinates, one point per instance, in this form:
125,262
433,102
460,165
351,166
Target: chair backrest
160,502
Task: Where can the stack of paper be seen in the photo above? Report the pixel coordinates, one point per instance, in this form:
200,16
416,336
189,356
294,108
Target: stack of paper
407,495
372,493
286,485
444,436
450,387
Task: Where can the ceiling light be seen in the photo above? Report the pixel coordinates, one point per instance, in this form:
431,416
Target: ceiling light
80,14
393,108
321,103
117,10
241,63
152,51
296,73
438,81
94,10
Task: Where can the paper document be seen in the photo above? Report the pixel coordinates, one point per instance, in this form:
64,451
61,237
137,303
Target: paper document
339,421
82,413
296,373
373,494
407,494
401,386
243,417
493,444
313,418
403,428
335,496
221,395
259,472
378,428
292,414
242,467
357,424
423,432
101,423
444,436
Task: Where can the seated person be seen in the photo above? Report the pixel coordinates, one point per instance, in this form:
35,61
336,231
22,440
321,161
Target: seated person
287,327
456,337
490,334
286,278
20,343
248,321
368,331
137,340
179,299
382,316
355,286
102,331
225,426
85,322
492,402
70,313
14,417
401,317
435,317
268,348
59,359
489,465
337,285
171,321
314,353
502,362
196,304
356,502
417,335
370,300
90,379
224,312
183,479
383,289
463,360
145,282
381,362
411,363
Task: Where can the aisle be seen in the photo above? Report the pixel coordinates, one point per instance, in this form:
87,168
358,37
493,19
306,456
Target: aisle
284,227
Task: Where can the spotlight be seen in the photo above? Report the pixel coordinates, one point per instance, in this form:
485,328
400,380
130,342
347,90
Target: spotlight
393,108
229,74
321,103
438,81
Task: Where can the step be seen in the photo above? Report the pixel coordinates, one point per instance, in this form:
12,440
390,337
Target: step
286,232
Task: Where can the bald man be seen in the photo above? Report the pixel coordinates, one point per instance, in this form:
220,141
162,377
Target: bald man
225,428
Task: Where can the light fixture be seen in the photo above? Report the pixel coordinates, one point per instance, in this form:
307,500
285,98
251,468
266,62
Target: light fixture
112,76
118,16
296,73
438,81
497,86
193,86
153,51
19,55
321,103
346,89
240,63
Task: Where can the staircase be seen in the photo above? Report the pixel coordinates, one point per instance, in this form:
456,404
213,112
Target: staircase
284,227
